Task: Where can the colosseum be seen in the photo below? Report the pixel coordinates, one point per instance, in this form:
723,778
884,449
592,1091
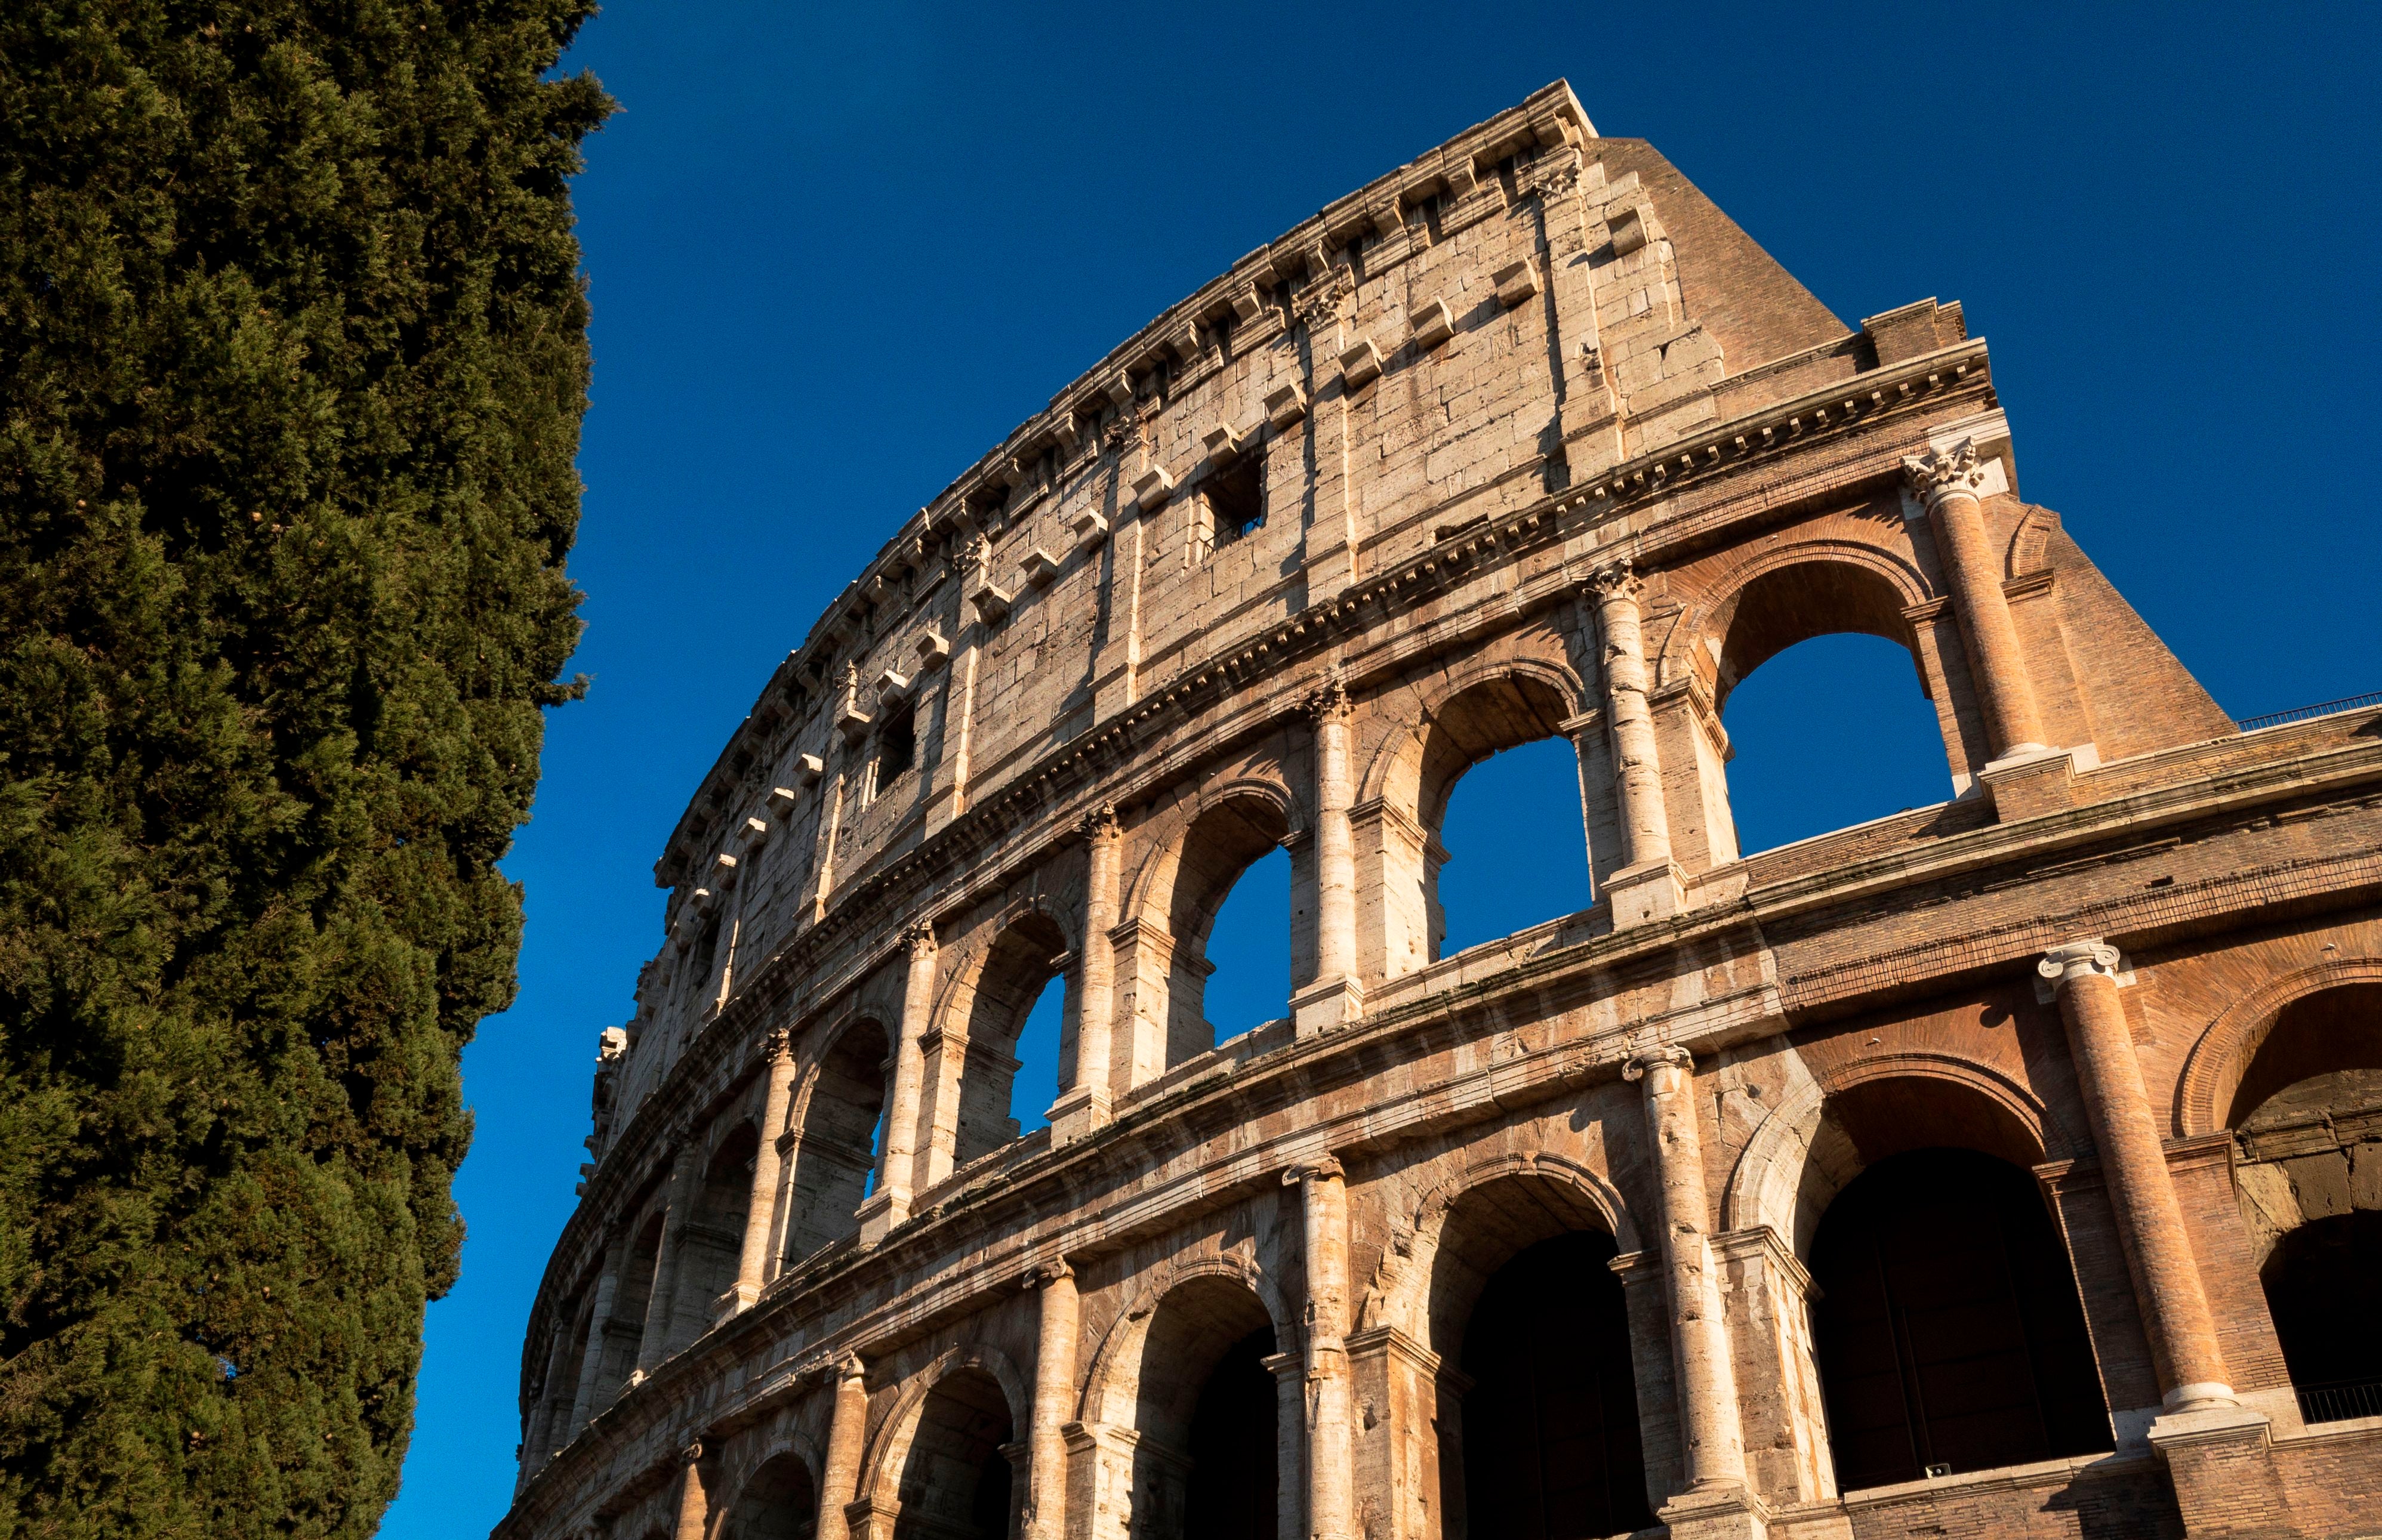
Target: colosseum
2010,1166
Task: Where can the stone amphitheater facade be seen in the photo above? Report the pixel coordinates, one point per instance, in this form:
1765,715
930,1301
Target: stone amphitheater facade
1989,1168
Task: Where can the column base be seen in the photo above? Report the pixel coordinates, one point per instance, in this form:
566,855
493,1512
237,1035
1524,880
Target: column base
2221,1459
1652,891
1077,1114
1723,1513
1326,1007
2030,781
880,1211
740,1298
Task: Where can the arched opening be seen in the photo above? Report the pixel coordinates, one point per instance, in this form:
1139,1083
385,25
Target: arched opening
632,1299
1026,957
1206,1413
1524,1301
779,1503
957,1482
1948,1328
1221,848
1833,734
834,1150
1251,936
2307,1122
710,1245
1515,821
1035,1086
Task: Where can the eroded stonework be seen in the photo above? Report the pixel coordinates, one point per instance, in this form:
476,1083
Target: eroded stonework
1988,1168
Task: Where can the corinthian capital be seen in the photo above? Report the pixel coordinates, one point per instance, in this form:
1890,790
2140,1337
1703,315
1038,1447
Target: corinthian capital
2078,960
1944,473
1614,580
1098,825
1328,702
920,937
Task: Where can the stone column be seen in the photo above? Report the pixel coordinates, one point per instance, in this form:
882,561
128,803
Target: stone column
752,1263
1084,1107
1647,886
693,1502
537,1436
1324,1200
889,1204
662,1301
2150,1222
847,1431
591,1361
1336,998
1713,1442
1054,1396
1949,483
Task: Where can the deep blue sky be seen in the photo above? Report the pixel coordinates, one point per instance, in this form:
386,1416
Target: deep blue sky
837,252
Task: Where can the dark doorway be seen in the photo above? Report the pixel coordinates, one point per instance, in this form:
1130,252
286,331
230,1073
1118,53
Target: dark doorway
1550,1449
778,1503
1234,1469
1948,1328
2324,1287
956,1484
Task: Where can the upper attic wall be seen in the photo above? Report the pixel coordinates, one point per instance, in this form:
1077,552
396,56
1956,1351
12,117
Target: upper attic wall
1752,305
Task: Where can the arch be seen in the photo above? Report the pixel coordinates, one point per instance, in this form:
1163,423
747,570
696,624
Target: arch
1861,588
831,1131
1948,1328
985,1003
2213,1070
777,1496
712,1241
2323,1283
1123,1344
1476,712
963,1375
1802,1153
1202,850
2028,541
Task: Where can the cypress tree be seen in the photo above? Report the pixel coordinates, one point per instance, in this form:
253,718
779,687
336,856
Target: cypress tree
292,361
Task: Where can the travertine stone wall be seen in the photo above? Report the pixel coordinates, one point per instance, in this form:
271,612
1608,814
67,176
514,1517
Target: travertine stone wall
1524,441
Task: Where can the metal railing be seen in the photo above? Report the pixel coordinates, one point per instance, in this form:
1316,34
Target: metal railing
2339,1401
2305,713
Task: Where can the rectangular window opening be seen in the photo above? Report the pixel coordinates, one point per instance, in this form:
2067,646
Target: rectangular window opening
897,744
1236,499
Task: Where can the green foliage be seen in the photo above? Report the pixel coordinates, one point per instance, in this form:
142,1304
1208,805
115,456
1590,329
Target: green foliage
292,361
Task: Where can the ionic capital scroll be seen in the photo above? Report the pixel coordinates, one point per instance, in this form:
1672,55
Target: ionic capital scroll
1320,1168
1655,1060
2077,962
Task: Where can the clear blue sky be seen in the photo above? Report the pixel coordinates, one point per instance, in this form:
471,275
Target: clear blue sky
837,252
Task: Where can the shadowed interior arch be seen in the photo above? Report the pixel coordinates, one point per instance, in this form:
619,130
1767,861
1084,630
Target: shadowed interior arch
714,1232
1948,1328
1523,1300
1205,1461
779,1503
833,1150
957,1482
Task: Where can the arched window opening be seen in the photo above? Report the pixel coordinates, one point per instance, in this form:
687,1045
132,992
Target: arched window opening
1518,841
957,1484
834,1152
1948,1328
1218,853
1249,945
1028,957
778,1503
1035,1086
1834,734
1205,1416
2307,1122
1522,1297
631,1298
714,1239
1515,822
